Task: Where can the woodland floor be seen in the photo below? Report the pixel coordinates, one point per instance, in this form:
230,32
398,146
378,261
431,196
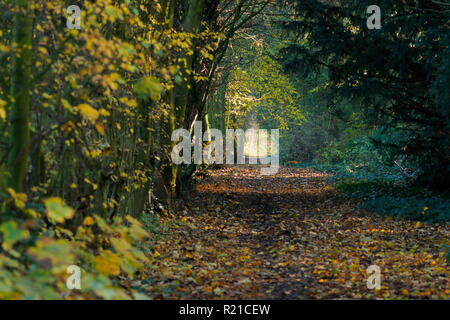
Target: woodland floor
290,236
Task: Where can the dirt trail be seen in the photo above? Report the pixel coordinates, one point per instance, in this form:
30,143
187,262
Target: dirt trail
291,236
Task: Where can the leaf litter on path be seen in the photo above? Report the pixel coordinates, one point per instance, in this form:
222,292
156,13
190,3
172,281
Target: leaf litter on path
291,236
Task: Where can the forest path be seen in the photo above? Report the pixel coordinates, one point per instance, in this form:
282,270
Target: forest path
291,236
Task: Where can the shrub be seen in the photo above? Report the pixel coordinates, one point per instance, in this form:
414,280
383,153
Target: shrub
391,195
37,248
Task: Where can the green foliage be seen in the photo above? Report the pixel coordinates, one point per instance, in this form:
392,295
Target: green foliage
303,143
390,194
355,148
446,249
149,87
264,92
12,234
37,249
361,170
438,209
57,210
398,74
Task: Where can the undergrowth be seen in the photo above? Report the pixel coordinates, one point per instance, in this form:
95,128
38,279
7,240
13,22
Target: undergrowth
390,193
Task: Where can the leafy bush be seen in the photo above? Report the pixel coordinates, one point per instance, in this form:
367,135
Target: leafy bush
375,74
37,248
391,195
360,170
354,149
430,209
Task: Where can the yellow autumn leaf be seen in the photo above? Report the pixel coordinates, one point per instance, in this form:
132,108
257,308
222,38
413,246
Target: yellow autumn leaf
88,112
20,199
100,129
2,109
88,221
43,50
105,112
57,209
107,263
129,102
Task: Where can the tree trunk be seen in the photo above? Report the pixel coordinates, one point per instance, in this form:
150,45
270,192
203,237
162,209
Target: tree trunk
21,94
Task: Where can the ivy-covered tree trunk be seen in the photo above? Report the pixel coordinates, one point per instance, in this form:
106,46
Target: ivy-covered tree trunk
166,178
177,99
21,95
181,91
